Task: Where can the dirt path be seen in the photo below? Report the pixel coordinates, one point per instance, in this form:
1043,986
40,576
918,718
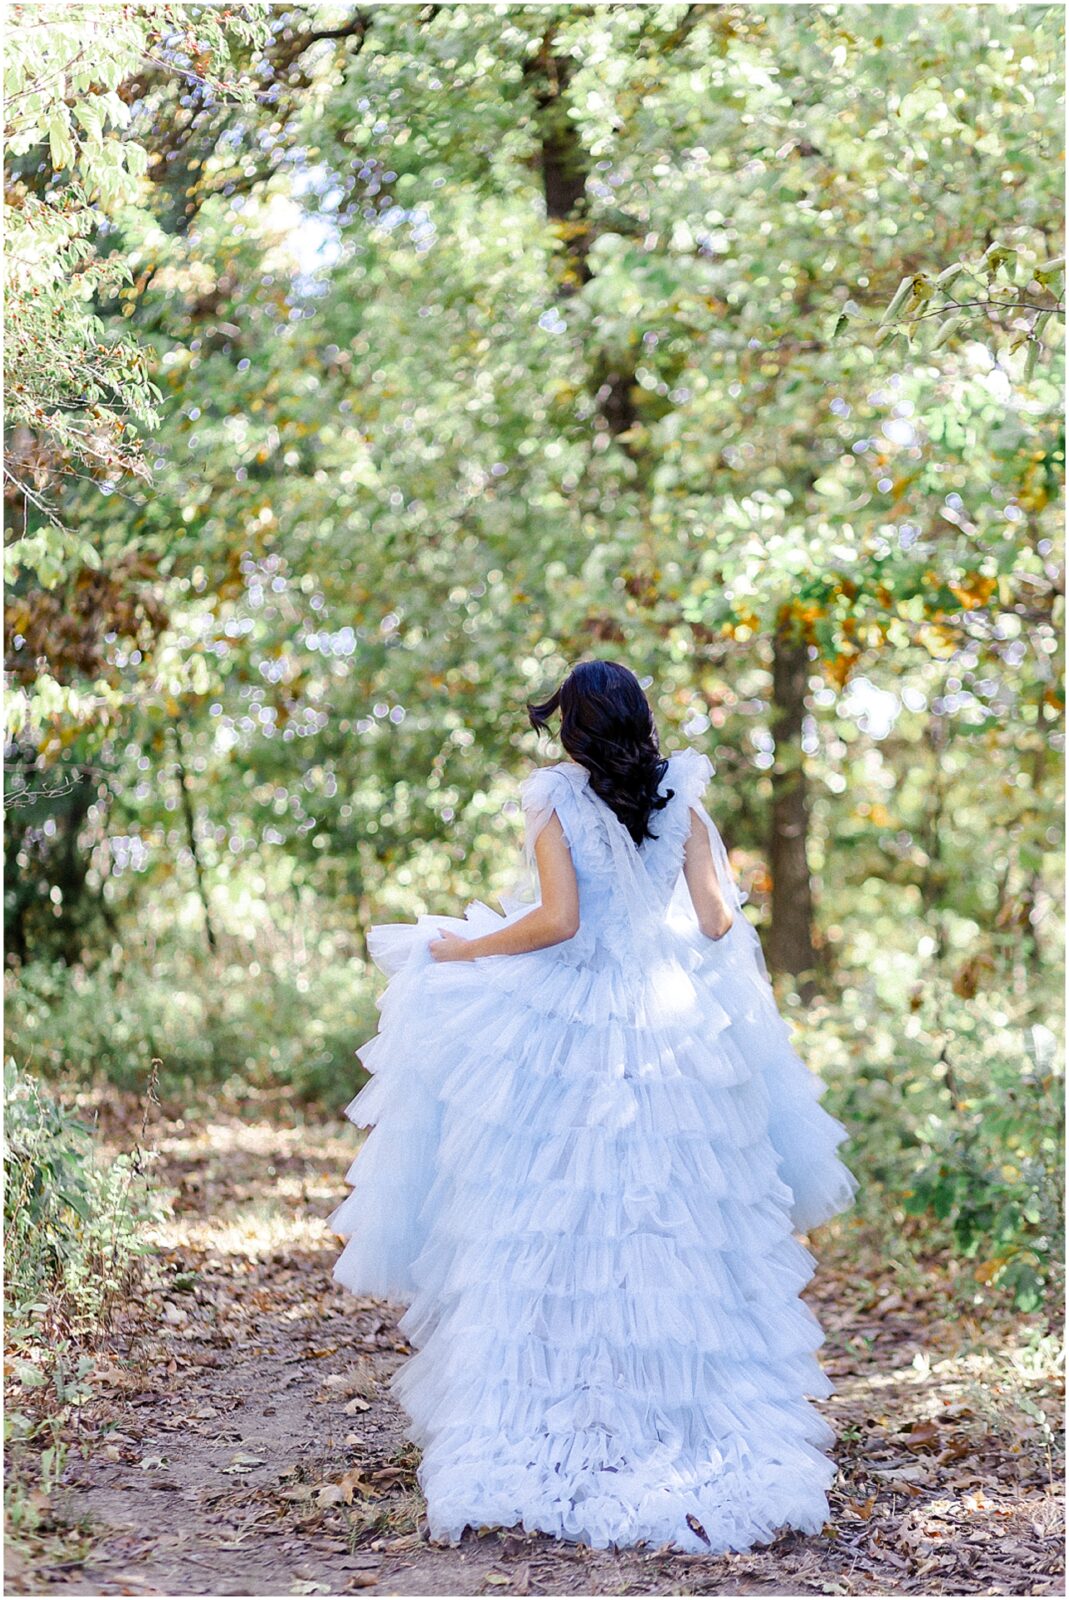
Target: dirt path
245,1446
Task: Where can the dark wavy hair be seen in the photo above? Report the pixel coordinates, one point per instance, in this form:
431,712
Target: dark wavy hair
606,725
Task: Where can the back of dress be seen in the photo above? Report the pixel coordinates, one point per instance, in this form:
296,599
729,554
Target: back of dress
576,1182
625,890
640,944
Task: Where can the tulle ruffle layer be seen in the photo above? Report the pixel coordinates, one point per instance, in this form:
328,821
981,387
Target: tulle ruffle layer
572,1182
804,1135
622,1448
574,1484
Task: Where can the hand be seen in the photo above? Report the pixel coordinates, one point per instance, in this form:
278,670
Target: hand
450,947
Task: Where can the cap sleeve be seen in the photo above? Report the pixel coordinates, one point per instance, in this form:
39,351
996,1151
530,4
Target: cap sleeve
690,774
541,794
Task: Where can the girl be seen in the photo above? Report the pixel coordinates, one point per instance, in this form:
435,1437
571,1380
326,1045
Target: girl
593,1143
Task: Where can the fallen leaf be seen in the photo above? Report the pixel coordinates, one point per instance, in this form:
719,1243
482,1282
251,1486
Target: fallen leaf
243,1463
341,1493
909,1472
115,1378
388,1475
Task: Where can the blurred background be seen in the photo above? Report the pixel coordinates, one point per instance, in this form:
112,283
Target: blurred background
366,367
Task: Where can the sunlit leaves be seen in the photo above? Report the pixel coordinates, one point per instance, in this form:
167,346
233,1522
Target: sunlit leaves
422,443
79,395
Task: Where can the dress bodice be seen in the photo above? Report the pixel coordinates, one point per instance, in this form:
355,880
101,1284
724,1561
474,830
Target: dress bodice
624,889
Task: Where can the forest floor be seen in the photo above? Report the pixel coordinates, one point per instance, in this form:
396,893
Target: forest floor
241,1440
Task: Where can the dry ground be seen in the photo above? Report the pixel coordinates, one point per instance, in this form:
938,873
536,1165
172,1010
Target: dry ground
243,1442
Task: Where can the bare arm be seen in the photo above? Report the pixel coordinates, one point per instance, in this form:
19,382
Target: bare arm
713,912
556,919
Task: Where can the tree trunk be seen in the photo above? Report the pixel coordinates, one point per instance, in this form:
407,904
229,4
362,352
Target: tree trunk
564,168
191,835
933,879
1033,948
72,868
790,940
562,159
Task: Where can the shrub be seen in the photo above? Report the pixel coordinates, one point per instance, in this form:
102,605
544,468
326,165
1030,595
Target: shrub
74,1227
955,1106
209,1021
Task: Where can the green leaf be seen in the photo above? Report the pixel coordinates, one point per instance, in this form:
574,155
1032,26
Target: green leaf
898,300
60,144
947,330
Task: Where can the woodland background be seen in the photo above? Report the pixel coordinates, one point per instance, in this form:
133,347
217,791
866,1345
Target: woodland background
367,366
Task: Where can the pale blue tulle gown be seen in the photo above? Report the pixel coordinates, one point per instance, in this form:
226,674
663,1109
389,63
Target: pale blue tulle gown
585,1174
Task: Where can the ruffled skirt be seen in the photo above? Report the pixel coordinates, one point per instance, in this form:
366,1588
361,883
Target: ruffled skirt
583,1180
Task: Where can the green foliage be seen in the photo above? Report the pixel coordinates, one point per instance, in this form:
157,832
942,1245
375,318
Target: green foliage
417,425
994,1161
78,389
72,1222
223,1022
74,1233
1008,288
955,1101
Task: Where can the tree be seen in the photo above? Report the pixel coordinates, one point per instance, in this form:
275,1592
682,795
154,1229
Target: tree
512,336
